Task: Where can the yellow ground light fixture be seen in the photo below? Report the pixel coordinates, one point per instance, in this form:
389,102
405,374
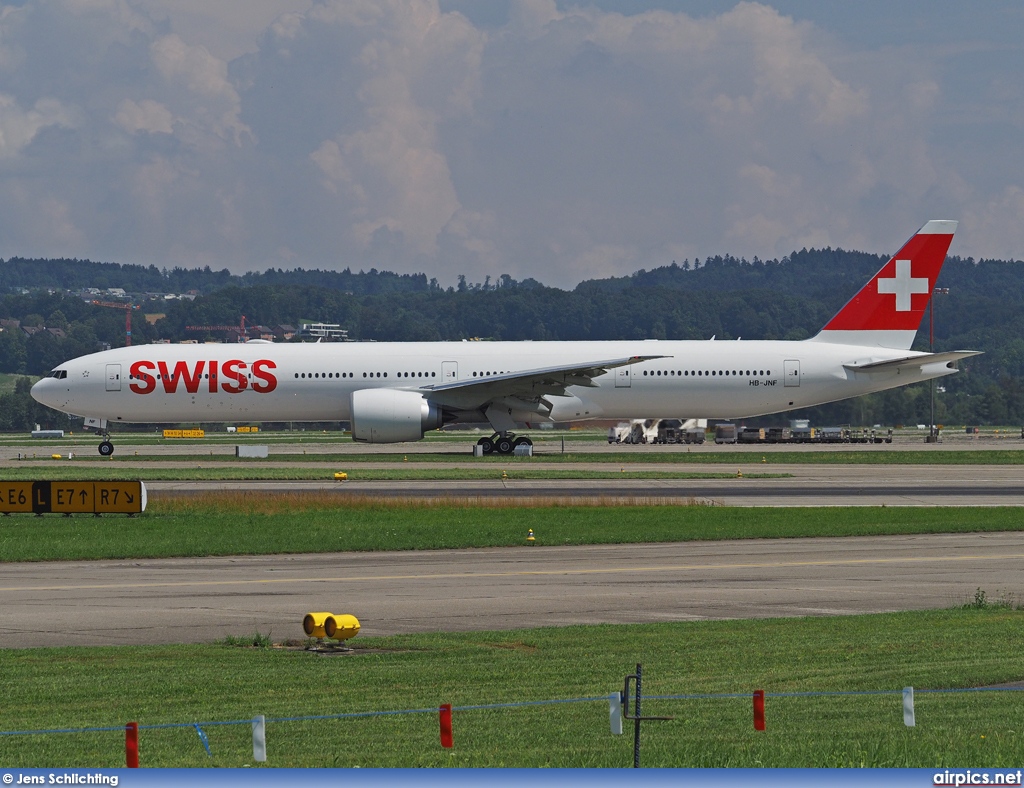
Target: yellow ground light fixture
329,625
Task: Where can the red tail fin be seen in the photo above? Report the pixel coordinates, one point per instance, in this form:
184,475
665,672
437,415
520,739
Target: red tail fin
888,309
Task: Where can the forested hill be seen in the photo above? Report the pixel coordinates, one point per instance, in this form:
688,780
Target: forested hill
723,297
815,273
20,273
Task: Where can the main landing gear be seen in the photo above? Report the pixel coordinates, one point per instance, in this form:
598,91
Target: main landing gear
503,443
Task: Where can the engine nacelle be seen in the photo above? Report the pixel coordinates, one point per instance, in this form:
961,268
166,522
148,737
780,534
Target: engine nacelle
392,416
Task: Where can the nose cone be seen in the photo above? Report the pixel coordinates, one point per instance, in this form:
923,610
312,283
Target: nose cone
44,392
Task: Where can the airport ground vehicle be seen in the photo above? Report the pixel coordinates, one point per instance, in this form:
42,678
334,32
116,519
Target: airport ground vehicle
726,433
675,431
730,433
658,431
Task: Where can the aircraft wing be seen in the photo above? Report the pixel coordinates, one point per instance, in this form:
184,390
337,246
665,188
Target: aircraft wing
911,362
527,384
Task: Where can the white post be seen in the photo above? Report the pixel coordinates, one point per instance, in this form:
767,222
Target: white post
259,739
908,706
615,712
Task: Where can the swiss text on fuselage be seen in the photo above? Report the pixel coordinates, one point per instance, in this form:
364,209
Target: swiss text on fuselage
231,377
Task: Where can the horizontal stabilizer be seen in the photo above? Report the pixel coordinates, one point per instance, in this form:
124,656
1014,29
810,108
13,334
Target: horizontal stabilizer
909,362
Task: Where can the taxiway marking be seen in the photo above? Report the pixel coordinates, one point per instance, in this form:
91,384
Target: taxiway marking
516,573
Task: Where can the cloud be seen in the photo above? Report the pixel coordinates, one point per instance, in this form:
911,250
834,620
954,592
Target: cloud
1001,220
415,68
147,115
226,28
198,83
559,142
18,127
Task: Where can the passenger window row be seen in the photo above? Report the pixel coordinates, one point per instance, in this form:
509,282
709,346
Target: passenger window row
328,375
708,373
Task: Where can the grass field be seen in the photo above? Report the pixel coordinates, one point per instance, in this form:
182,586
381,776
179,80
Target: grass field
74,687
8,382
261,524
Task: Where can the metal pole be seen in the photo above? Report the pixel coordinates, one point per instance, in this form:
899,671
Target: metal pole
931,349
636,716
636,724
933,432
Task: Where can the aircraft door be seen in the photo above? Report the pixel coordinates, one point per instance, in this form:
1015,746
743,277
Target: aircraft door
792,368
623,376
113,377
449,371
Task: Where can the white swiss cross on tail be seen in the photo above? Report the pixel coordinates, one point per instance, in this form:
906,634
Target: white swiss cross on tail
874,317
902,285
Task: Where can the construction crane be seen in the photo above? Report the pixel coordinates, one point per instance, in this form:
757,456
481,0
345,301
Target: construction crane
128,309
240,328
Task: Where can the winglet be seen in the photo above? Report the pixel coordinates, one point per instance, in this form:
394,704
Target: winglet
888,309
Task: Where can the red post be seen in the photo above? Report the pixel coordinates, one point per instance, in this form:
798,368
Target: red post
446,725
131,745
758,710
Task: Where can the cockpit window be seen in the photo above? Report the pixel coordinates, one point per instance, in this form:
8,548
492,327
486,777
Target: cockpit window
60,374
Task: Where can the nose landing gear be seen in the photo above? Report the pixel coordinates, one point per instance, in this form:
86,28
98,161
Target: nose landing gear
99,426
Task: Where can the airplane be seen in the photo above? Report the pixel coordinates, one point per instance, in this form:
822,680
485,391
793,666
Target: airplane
393,392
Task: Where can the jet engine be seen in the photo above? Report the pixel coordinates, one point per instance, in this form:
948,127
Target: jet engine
392,416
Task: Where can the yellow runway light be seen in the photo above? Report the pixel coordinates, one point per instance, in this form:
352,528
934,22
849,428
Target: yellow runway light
341,627
329,625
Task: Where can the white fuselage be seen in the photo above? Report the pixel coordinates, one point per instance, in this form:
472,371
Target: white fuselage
313,382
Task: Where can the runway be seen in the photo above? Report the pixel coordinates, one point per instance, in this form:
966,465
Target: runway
801,485
202,600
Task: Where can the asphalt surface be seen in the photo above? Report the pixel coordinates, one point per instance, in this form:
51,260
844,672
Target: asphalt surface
806,484
459,446
803,485
202,600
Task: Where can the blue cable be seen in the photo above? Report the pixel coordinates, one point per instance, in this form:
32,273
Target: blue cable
511,705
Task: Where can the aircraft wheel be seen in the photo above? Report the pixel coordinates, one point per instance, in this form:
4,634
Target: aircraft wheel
106,448
487,444
505,446
523,442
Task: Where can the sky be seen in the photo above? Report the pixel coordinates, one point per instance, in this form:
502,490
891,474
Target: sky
554,140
